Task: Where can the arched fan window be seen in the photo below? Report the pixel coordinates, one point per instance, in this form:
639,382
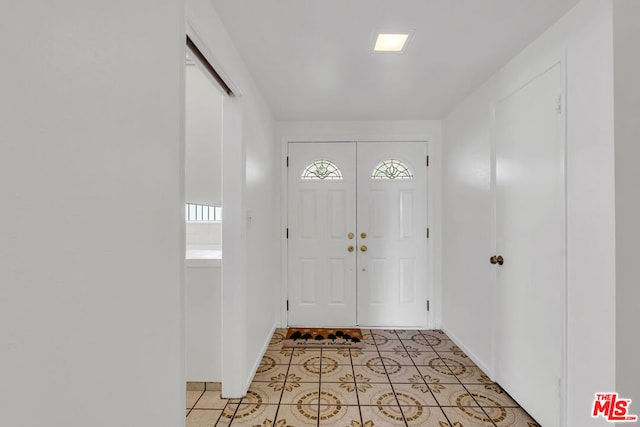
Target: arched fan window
392,169
323,170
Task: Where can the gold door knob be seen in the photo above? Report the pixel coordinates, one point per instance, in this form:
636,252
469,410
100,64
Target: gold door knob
363,235
363,248
493,260
351,235
500,260
350,248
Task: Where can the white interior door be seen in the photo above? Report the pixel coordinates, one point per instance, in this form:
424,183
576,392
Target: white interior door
322,213
357,260
530,236
392,234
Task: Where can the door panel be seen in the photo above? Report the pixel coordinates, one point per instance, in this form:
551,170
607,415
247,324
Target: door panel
322,211
530,235
392,272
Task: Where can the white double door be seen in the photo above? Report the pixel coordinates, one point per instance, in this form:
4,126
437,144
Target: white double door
357,234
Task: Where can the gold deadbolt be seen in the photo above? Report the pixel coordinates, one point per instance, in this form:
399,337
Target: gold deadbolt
363,248
351,235
350,248
496,260
363,235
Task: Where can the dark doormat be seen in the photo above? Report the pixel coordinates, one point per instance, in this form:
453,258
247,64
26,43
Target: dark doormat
323,338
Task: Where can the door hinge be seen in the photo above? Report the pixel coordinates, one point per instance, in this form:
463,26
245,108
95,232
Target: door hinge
427,161
287,161
287,233
427,305
427,232
287,305
559,105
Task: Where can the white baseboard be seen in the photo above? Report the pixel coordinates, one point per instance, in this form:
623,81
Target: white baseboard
265,345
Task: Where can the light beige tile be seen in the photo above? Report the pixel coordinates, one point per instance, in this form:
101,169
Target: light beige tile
415,394
387,416
264,393
195,386
401,357
306,373
453,395
271,373
458,357
304,394
390,345
403,374
368,358
192,398
377,395
276,357
429,358
471,375
438,374
277,339
339,415
249,415
336,374
468,416
446,345
342,355
297,415
490,395
405,334
211,400
209,386
511,417
203,418
338,394
300,357
227,414
427,416
373,373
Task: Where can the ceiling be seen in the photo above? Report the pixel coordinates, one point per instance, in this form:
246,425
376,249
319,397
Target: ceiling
314,59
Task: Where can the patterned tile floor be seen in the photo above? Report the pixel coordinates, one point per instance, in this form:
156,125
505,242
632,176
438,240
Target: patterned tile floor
400,378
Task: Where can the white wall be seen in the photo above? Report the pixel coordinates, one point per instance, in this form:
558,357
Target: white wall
585,36
203,151
251,295
203,323
374,130
91,183
627,126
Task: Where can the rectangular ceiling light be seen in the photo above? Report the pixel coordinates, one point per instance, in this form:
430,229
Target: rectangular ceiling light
390,42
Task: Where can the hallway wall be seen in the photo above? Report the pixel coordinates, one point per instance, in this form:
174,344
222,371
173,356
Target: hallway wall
627,110
91,187
252,300
584,35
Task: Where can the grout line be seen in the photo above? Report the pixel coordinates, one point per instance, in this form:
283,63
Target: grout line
286,378
319,388
439,406
389,378
355,383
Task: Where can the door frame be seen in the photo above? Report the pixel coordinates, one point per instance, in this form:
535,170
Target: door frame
431,137
535,70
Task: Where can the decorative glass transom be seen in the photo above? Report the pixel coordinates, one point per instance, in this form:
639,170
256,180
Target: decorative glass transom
392,169
322,169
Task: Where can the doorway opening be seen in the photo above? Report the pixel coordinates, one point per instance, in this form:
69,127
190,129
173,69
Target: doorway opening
357,234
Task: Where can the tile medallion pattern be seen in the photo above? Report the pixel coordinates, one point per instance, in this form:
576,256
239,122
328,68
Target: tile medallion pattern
399,378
